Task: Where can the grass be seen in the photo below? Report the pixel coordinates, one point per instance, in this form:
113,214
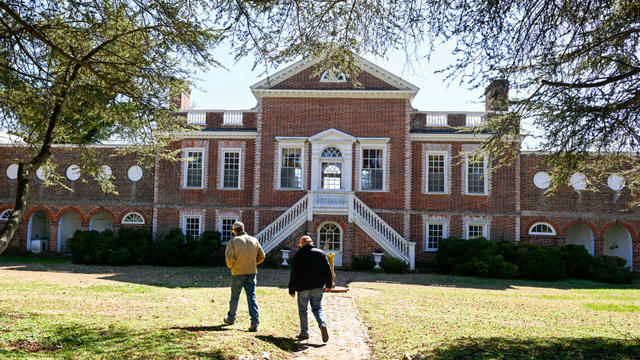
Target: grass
445,317
60,310
55,309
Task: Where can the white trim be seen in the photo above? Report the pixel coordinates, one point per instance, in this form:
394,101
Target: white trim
226,217
223,151
385,164
485,162
446,172
466,137
290,145
217,134
363,63
125,222
185,164
191,216
552,233
479,221
6,213
359,94
434,220
339,228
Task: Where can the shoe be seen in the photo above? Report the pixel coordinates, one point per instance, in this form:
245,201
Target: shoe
302,336
325,333
253,328
228,321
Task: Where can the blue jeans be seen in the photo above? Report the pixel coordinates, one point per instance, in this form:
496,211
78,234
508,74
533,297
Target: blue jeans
248,282
315,297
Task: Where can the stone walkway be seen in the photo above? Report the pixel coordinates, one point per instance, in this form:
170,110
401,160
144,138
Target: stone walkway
348,339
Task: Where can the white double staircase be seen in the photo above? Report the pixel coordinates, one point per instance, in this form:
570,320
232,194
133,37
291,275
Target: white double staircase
344,203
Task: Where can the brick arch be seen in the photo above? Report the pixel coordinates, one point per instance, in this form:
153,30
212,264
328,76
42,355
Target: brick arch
70,208
30,212
623,223
593,228
316,224
128,210
99,209
555,225
6,207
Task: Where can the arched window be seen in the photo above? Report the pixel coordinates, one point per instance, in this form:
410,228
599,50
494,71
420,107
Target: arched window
133,218
542,228
333,75
331,152
6,215
329,237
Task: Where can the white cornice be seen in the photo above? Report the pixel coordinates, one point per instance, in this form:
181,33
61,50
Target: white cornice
371,140
218,135
448,137
361,94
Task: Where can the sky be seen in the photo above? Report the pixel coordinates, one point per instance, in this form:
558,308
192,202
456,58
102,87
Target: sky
228,89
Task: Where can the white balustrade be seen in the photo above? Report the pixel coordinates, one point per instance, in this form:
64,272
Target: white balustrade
284,225
196,117
393,242
436,119
475,119
330,200
232,117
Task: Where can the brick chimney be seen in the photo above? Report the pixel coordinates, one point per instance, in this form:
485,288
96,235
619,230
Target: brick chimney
184,99
497,95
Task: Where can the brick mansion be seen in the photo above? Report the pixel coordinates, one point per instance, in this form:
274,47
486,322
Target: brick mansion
356,167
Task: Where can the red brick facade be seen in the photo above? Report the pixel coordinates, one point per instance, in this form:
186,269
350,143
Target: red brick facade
298,111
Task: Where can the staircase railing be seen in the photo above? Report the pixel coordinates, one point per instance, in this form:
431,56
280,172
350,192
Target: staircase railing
284,225
380,231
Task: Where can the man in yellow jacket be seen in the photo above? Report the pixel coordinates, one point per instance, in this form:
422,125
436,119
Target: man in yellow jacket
243,254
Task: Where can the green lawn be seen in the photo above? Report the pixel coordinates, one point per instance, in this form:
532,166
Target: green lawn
54,309
446,317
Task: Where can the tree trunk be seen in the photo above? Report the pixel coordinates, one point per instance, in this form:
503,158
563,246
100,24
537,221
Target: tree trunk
11,227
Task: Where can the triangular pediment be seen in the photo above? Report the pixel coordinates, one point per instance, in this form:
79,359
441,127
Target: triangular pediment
332,135
300,77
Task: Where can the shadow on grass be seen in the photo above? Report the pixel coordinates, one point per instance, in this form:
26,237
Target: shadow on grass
286,344
553,348
78,341
219,276
203,328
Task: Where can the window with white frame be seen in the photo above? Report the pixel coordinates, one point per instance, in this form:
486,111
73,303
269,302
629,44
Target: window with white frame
5,215
231,169
476,230
133,218
291,168
476,175
372,174
194,168
542,228
436,172
192,225
436,231
333,75
226,225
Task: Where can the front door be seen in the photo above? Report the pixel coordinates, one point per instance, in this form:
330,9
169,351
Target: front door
330,241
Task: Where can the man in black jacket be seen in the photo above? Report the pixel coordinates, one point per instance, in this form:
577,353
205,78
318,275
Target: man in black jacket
310,277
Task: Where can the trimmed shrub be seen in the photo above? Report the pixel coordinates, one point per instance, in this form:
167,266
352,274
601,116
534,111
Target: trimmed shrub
394,265
138,242
270,261
542,264
476,257
577,261
170,249
611,269
362,263
204,250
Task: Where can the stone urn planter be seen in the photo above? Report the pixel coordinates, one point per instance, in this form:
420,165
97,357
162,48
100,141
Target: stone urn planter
285,256
377,257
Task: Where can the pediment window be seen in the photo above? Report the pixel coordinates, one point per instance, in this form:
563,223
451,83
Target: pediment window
333,75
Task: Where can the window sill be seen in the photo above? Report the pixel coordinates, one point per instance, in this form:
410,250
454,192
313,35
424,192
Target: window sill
230,189
290,189
430,250
374,191
436,193
478,194
193,188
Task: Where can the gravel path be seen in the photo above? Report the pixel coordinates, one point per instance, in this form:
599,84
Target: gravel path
347,336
